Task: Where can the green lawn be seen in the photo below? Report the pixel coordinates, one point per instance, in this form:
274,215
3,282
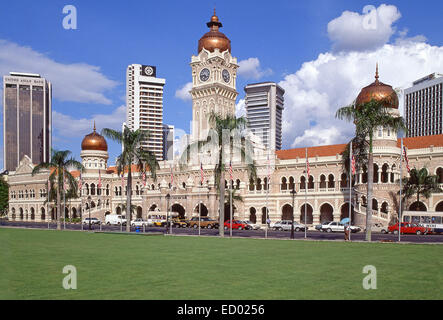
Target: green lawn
157,267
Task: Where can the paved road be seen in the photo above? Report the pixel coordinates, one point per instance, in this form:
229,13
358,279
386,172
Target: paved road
313,235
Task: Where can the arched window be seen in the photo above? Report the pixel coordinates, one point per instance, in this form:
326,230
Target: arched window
291,183
384,173
259,186
322,181
251,184
92,189
311,182
238,184
331,182
440,175
302,182
284,184
344,181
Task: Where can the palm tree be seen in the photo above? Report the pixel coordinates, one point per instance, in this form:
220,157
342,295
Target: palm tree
132,153
420,183
239,144
60,165
367,118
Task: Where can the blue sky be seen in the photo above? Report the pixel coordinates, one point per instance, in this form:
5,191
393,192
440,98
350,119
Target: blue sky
285,41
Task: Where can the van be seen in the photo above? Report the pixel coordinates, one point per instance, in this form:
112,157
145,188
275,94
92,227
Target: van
115,219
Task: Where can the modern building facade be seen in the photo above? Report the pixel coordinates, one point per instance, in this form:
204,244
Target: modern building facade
264,108
324,193
168,142
423,106
27,109
144,103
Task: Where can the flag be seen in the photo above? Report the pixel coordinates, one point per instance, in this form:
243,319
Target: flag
80,183
230,171
308,169
407,160
144,179
99,179
353,164
201,173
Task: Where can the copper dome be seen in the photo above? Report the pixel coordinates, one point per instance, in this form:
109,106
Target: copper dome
214,38
380,92
94,141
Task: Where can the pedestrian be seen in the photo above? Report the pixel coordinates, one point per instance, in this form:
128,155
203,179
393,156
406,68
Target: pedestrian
346,232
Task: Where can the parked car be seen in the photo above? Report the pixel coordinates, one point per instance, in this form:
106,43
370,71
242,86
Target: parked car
139,223
91,220
205,222
286,225
319,227
177,223
252,226
115,219
338,227
378,227
409,228
236,225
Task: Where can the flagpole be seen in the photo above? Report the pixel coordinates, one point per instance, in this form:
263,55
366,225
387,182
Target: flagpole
400,202
306,192
230,197
350,190
199,200
64,201
47,202
267,198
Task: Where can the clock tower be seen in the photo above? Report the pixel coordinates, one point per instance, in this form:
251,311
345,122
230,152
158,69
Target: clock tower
214,74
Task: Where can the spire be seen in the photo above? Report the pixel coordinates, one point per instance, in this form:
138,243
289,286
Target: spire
376,73
94,125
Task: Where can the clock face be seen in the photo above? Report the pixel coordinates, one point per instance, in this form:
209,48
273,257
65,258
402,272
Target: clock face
149,71
226,76
204,74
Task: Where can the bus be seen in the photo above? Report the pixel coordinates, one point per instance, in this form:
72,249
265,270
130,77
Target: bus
427,219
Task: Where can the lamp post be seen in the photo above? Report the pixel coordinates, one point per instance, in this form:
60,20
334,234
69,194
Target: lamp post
89,201
293,192
168,197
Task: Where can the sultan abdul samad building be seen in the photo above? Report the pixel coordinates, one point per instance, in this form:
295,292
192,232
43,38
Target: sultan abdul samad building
214,89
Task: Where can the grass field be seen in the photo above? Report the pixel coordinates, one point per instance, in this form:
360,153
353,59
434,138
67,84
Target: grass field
157,267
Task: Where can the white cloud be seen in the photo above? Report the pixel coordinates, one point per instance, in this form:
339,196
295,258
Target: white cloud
320,87
68,126
183,92
359,32
250,69
240,108
78,82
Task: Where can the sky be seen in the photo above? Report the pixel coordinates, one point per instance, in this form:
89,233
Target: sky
321,52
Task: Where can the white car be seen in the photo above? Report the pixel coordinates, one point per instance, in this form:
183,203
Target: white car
253,226
115,219
286,225
91,220
139,223
338,227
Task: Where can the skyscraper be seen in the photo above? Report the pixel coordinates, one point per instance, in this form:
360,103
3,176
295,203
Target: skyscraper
423,106
144,105
27,120
264,107
168,142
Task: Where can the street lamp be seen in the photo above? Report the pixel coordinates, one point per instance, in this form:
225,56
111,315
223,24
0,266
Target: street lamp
89,201
168,197
293,192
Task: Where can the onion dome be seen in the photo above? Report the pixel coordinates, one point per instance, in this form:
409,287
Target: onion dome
214,38
94,141
380,92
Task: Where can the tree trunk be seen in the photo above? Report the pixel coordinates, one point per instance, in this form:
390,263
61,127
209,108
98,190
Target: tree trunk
59,205
221,230
128,200
369,195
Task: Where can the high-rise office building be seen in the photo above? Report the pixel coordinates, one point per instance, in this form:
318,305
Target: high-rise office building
264,107
26,119
144,103
168,142
423,106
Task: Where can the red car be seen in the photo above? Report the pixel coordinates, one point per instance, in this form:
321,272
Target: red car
408,228
237,224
